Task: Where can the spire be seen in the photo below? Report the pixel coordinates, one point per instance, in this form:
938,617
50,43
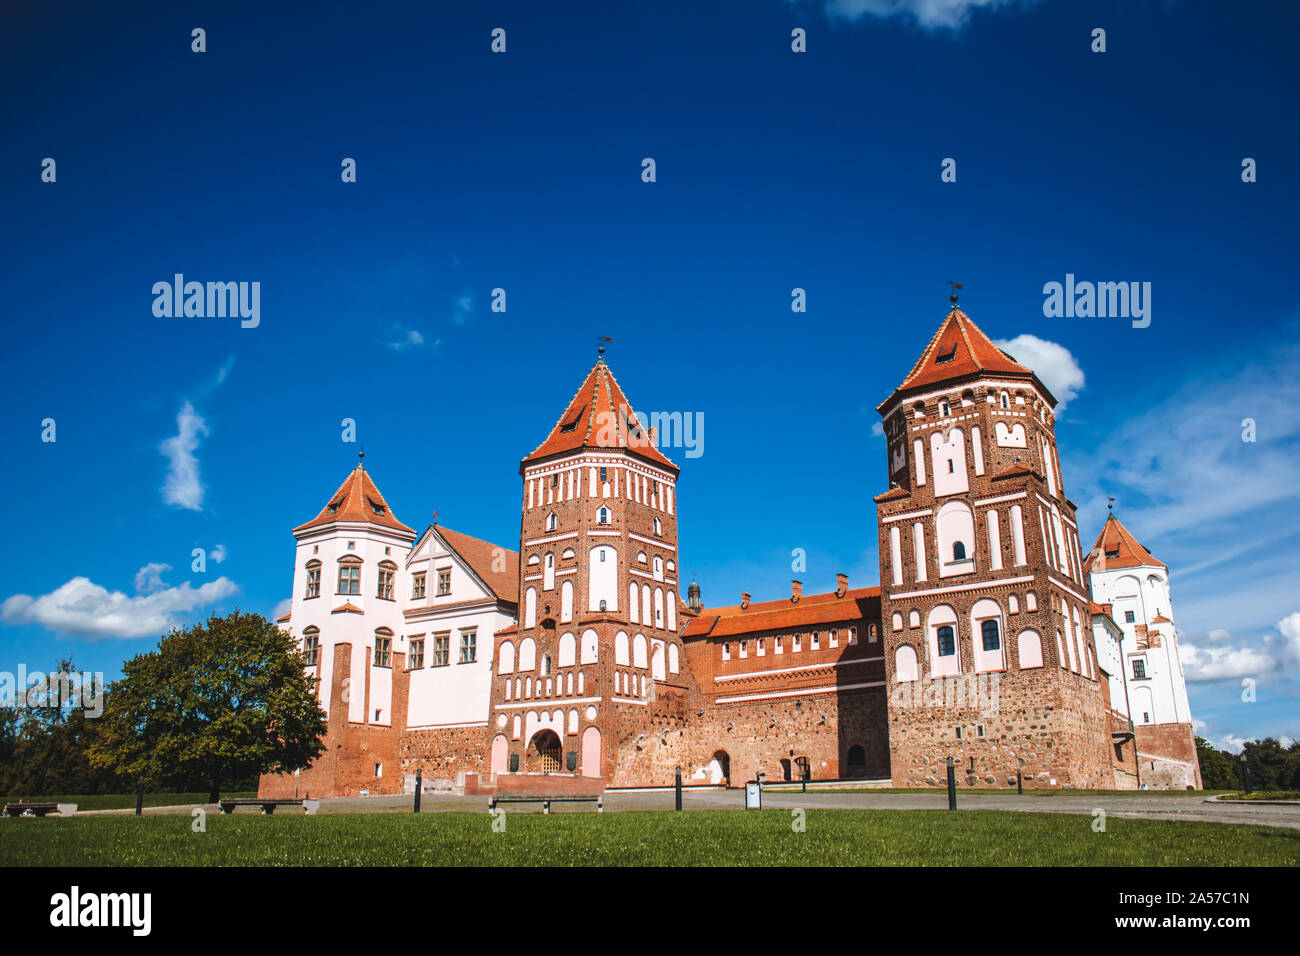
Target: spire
1117,548
693,595
960,349
599,416
358,499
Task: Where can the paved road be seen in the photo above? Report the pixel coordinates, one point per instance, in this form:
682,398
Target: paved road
1136,805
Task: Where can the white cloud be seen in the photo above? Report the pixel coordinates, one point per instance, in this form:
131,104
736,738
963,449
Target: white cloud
282,608
1051,362
149,578
182,486
408,339
878,428
1220,656
463,308
86,609
218,553
929,14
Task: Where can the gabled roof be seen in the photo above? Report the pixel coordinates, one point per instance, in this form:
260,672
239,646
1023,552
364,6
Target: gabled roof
356,500
595,418
1117,548
496,567
960,349
812,609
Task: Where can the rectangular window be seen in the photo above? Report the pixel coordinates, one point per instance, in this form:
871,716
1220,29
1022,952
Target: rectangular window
779,648
726,652
417,653
417,586
444,582
1129,617
442,649
835,639
383,651
1139,669
468,646
385,584
349,579
762,650
959,733
311,649
744,648
815,642
313,582
796,642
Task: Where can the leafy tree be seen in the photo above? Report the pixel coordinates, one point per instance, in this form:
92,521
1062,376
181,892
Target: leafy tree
1220,770
216,702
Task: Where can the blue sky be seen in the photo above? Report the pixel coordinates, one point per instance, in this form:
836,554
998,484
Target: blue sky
522,171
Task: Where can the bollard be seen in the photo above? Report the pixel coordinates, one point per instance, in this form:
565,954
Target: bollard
1245,775
679,788
1020,784
804,788
419,785
139,797
952,787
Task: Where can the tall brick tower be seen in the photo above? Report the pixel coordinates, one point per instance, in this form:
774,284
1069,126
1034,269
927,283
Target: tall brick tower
595,659
984,603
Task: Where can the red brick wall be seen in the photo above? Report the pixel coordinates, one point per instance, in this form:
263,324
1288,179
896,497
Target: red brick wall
1167,757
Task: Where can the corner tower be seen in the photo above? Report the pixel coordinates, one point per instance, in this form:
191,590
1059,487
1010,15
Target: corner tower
596,655
1126,576
984,601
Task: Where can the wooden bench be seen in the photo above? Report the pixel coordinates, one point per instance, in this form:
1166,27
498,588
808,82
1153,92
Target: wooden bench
597,798
30,809
268,805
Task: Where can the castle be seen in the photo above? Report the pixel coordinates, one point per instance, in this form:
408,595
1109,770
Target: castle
573,663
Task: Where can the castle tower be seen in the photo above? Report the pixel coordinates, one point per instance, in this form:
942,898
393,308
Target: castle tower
596,650
984,605
346,614
1124,575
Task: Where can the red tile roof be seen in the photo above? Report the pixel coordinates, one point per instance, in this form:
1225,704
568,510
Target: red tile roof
498,567
347,607
957,350
282,618
892,493
595,419
356,500
1117,548
772,615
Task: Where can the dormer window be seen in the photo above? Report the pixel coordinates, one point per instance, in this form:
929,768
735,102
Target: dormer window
376,507
944,358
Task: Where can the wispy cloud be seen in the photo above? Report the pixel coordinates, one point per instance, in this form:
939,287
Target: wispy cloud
1052,363
182,486
218,553
403,340
462,310
927,14
82,608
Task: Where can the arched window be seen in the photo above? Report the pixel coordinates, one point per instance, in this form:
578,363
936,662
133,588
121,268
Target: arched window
546,664
905,663
1004,401
658,527
602,516
946,639
958,551
989,632
550,521
313,578
311,646
507,659
349,575
568,650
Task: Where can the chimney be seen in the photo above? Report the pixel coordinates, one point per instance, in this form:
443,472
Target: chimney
841,585
796,591
744,600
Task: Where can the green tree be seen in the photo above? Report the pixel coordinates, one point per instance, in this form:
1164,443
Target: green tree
216,702
1220,770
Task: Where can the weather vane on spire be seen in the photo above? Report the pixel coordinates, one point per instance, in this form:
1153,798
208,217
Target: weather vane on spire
953,296
361,457
602,341
1110,502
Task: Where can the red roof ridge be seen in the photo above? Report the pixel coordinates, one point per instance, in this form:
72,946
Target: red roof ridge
355,501
347,607
481,556
599,379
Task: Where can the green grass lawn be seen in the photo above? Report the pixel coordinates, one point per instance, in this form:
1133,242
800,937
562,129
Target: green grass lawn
717,837
122,801
1264,795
